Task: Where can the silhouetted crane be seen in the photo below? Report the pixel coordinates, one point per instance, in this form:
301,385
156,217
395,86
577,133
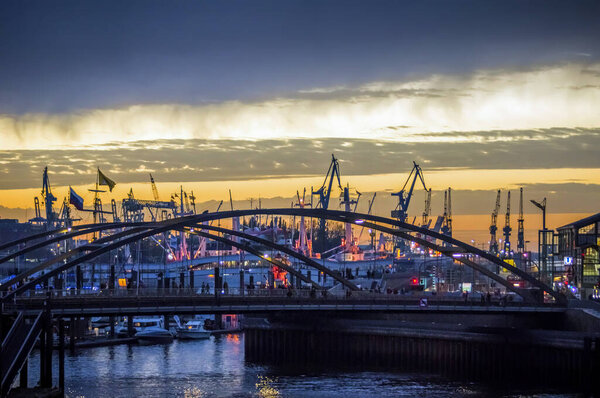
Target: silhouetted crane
493,226
521,227
507,229
324,194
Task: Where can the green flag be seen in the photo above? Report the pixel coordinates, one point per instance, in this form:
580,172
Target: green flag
104,180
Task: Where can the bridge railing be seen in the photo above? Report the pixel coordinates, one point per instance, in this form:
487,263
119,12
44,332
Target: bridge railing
340,295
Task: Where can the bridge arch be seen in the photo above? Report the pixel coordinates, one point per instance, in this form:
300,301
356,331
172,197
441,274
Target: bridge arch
150,232
257,253
402,230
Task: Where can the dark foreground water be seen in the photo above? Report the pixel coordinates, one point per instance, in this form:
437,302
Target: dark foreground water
216,368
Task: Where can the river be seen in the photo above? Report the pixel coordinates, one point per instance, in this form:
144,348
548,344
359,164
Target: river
216,368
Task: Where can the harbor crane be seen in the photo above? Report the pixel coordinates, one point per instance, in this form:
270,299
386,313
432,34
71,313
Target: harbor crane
303,245
446,228
447,224
521,227
427,211
324,194
493,226
154,190
347,202
401,210
49,200
507,229
53,219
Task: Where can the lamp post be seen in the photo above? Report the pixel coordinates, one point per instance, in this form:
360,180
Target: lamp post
542,240
372,235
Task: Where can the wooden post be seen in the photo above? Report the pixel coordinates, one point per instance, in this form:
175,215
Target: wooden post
130,329
61,356
72,334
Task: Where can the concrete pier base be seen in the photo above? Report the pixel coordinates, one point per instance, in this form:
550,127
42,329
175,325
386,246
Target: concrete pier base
467,356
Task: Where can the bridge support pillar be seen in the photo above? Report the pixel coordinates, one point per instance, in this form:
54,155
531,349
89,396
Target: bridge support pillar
72,327
79,278
159,281
42,357
61,356
218,284
46,341
242,283
191,279
111,334
130,329
23,375
181,280
111,279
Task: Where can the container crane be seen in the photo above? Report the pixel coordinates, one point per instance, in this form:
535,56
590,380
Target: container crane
507,229
493,226
521,227
447,223
427,211
324,194
49,200
401,210
133,209
347,202
303,245
154,190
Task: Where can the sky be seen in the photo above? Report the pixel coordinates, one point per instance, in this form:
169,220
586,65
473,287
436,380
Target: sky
254,96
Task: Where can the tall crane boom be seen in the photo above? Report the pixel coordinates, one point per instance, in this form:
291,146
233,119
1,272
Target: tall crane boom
447,218
49,199
493,227
427,211
401,210
507,229
324,194
154,190
521,226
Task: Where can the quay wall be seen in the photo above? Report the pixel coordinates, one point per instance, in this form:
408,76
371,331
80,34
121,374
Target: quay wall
500,359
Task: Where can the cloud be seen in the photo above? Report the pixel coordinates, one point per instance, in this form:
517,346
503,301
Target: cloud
213,160
540,98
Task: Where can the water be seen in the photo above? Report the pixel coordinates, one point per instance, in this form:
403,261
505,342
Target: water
216,368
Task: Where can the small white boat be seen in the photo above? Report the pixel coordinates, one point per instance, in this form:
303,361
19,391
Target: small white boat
154,335
194,329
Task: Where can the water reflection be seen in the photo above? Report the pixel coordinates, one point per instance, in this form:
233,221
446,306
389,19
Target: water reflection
216,368
264,387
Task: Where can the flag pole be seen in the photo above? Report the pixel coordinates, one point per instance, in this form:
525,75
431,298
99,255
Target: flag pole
96,195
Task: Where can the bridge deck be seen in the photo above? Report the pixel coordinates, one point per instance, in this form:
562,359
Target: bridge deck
92,305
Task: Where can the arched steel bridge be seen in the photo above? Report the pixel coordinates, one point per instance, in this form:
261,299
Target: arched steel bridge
121,234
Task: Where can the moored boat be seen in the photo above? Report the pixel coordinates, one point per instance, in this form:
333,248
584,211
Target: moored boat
154,335
194,329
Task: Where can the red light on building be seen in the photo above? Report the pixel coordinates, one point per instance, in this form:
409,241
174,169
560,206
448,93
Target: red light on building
414,281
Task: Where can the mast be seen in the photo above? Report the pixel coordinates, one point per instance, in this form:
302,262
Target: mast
521,227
